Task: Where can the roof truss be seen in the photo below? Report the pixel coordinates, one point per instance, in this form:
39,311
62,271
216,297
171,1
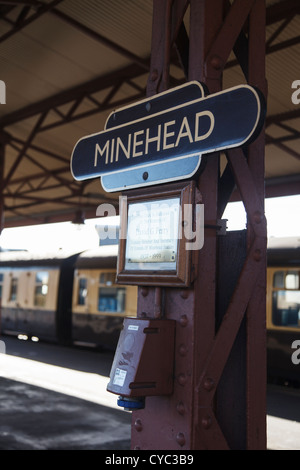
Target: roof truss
66,107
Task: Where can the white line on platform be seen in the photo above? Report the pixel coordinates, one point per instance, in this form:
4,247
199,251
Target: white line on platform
87,386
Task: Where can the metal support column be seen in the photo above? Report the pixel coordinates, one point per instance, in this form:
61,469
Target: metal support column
256,337
220,366
3,141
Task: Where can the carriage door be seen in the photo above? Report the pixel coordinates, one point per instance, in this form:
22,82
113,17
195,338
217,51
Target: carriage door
20,294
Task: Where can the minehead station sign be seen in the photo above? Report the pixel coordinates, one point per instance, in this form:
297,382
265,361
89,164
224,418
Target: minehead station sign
162,138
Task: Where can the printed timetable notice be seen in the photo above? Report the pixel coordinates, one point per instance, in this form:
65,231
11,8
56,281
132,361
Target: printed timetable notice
152,235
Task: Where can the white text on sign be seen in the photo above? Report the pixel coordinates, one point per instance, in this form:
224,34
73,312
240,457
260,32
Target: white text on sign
164,136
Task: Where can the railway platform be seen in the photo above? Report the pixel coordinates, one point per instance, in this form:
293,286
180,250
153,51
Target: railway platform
54,398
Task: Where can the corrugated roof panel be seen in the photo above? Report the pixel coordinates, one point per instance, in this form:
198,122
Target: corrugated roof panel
288,31
279,163
130,27
282,69
50,55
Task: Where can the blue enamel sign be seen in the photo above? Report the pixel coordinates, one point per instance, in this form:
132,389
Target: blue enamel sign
162,139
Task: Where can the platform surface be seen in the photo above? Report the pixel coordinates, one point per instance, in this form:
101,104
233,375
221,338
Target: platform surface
53,397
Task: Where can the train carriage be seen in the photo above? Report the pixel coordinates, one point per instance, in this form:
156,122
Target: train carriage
66,298
99,305
35,294
73,299
283,310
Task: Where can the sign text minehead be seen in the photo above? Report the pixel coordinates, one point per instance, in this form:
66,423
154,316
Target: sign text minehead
169,136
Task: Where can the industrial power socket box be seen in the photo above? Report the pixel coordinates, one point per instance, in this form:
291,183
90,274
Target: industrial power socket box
144,359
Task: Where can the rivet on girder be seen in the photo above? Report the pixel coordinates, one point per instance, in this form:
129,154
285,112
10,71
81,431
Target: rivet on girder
180,438
182,350
206,422
257,255
183,321
138,425
144,291
180,408
182,379
208,384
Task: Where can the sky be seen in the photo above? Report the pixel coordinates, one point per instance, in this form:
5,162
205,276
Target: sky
283,220
282,213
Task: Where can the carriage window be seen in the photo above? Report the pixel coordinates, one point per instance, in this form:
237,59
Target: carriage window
292,280
1,284
286,300
107,279
278,279
82,291
110,298
13,289
41,288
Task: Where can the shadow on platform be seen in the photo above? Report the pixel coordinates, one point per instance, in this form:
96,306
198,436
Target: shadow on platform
283,402
33,418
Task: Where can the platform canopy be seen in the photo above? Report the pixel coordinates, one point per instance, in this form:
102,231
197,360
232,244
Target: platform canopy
67,64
